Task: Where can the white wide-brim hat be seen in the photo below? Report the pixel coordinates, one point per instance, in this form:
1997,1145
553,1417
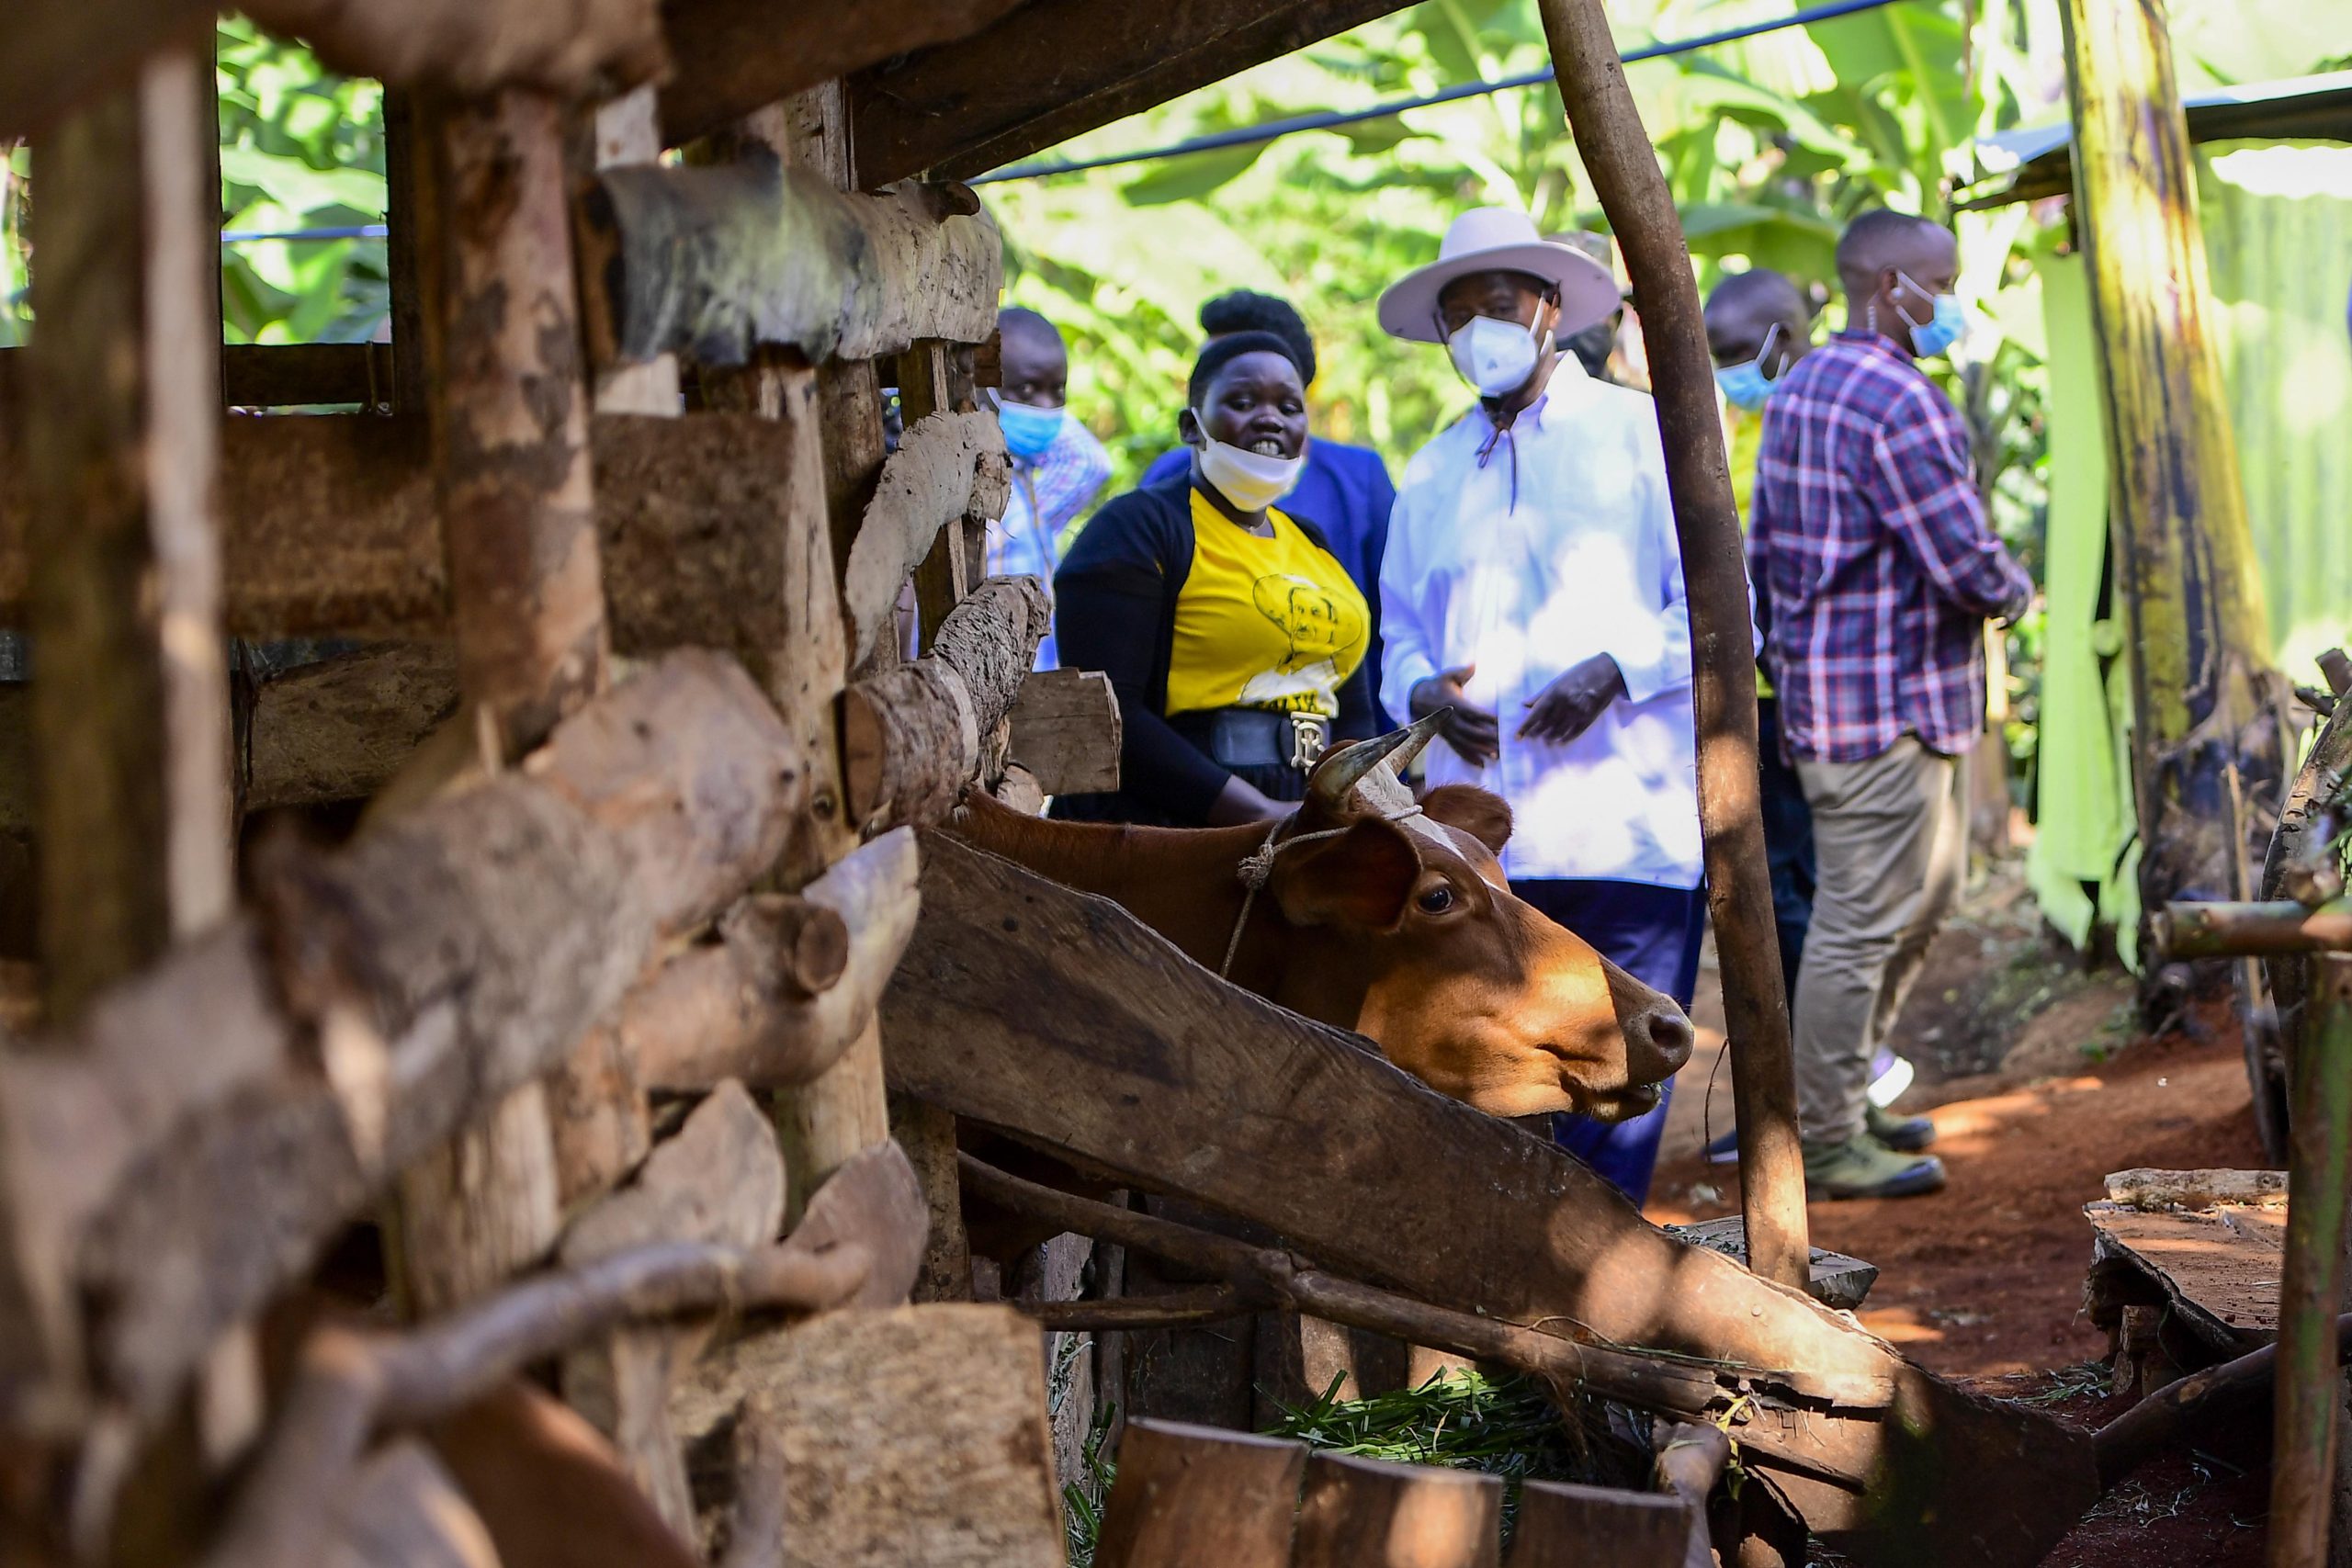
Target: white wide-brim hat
1490,239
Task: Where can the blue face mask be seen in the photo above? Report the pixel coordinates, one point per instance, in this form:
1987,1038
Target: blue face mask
1946,324
1745,386
1029,431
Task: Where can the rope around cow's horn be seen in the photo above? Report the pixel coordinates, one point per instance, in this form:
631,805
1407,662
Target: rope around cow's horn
1257,868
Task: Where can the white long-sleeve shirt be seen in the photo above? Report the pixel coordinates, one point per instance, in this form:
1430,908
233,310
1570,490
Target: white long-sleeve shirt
1555,545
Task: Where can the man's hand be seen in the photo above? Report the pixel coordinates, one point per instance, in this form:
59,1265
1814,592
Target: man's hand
1474,734
1565,708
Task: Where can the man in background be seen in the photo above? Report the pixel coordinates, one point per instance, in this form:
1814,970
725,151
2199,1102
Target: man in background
1344,490
1758,325
1058,465
1596,347
1875,568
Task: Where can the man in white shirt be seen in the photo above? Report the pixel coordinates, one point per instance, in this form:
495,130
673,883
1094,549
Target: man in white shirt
1533,591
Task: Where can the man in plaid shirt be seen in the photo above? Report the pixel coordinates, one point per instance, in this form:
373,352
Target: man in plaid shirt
1875,570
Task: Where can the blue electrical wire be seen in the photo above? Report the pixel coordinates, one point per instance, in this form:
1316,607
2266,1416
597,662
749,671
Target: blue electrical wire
1244,136
357,231
1249,135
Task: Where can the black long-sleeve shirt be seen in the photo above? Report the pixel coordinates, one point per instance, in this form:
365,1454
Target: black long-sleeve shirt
1116,599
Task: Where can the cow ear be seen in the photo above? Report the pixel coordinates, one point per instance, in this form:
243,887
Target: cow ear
1361,878
1480,813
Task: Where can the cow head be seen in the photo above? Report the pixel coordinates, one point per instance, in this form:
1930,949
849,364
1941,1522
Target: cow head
1405,917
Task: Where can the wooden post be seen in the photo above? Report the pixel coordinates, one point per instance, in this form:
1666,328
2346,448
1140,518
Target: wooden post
1619,156
947,574
2185,564
131,700
845,1109
527,596
2305,1430
130,717
1195,1494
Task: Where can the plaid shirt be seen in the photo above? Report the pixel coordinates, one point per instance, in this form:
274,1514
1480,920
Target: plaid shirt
1873,562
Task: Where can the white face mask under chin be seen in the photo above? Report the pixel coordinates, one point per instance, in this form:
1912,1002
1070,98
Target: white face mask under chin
1495,356
1250,480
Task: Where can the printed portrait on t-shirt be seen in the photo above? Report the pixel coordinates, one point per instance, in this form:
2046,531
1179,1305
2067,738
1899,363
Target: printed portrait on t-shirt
1320,628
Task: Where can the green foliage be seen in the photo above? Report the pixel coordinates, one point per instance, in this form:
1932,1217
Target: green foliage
301,149
1507,1426
16,208
1769,145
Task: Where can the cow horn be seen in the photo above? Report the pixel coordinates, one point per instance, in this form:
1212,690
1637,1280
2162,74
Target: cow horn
1336,779
1417,736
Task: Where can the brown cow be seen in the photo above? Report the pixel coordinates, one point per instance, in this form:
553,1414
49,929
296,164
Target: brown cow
1391,921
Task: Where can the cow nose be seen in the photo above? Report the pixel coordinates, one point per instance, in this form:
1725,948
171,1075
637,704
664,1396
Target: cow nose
1671,1037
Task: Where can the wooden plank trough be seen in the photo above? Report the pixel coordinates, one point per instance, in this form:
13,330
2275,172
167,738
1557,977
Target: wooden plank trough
535,1139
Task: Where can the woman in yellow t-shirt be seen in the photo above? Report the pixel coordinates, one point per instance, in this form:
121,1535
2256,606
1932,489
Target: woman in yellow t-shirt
1232,634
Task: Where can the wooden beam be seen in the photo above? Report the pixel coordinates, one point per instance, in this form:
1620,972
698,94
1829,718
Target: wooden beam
269,375
328,528
1561,1525
1359,1511
732,1009
912,740
715,261
1187,1495
403,1510
1150,1068
948,467
471,941
478,45
1066,731
910,1435
510,458
730,57
1051,71
720,1180
511,476
60,55
335,730
129,708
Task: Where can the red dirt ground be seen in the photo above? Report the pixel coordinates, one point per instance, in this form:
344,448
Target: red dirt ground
1982,1282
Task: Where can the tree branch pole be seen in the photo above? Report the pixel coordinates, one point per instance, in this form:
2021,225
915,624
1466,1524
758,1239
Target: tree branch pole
2305,1420
1266,1275
2203,930
511,468
1623,163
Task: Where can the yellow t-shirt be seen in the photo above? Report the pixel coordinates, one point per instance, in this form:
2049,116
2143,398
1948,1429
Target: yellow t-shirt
1745,431
1264,622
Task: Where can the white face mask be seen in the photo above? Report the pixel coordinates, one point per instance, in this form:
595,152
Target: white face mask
1250,480
1495,356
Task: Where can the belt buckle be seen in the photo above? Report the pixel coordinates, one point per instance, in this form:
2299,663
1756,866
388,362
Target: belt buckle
1306,739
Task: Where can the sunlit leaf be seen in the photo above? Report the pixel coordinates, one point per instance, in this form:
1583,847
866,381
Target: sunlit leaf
1189,178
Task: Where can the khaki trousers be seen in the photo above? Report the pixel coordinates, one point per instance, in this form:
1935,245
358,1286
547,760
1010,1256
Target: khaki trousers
1890,839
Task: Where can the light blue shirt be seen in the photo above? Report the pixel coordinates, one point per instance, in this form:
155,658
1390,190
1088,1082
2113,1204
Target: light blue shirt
1523,553
1045,496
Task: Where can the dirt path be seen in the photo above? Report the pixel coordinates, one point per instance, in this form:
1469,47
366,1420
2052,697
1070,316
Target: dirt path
2037,1088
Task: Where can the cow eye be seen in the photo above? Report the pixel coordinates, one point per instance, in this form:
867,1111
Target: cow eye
1436,901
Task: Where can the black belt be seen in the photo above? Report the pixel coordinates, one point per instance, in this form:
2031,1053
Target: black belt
1253,738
